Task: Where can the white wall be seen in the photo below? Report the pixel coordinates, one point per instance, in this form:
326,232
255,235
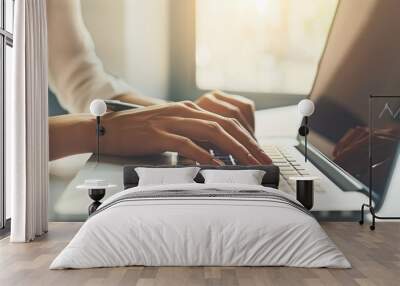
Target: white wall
132,39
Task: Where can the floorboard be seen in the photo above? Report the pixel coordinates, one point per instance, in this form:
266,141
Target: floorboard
375,257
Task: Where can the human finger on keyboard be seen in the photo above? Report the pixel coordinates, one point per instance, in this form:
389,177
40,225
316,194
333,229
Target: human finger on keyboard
142,131
212,103
245,105
231,125
208,131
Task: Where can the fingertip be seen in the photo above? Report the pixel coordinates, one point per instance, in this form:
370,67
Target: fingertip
264,158
266,161
217,162
253,160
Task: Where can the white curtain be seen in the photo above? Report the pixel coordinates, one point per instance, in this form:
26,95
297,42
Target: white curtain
27,123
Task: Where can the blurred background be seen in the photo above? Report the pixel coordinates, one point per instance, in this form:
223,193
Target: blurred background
267,50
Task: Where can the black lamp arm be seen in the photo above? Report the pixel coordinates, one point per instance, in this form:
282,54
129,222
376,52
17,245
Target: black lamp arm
100,131
303,131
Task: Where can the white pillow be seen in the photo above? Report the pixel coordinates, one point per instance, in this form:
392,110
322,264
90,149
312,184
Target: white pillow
246,177
166,176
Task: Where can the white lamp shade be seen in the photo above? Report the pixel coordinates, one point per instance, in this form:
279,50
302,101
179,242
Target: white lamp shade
306,107
98,107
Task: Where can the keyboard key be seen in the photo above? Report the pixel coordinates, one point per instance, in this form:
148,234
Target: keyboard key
299,168
288,174
282,164
227,159
279,161
218,152
233,160
276,157
288,169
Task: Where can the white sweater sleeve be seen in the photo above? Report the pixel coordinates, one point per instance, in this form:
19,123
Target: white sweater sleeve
76,74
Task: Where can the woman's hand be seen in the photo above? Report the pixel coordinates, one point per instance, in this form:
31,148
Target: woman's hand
351,151
177,127
227,105
231,106
355,143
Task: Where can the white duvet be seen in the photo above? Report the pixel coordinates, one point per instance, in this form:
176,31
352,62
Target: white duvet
200,231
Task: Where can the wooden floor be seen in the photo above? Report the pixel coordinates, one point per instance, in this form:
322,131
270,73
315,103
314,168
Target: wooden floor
375,257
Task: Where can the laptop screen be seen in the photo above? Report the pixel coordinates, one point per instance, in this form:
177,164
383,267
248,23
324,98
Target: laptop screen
361,58
339,129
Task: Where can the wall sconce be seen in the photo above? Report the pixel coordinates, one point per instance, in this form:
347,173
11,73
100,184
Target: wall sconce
98,108
306,109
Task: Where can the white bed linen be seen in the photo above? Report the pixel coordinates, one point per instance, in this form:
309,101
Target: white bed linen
206,231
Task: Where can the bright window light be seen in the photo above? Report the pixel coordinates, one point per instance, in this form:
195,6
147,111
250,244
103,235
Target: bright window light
265,46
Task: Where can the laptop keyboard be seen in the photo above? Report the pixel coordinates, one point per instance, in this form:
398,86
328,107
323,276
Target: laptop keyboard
281,157
289,166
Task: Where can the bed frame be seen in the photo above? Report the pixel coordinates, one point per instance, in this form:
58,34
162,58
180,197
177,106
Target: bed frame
270,179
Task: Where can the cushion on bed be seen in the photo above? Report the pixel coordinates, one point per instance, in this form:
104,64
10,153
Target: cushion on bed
165,176
270,179
246,177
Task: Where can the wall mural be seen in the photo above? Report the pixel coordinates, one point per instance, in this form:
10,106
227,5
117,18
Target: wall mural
131,56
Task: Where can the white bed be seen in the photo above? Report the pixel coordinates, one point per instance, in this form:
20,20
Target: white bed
184,230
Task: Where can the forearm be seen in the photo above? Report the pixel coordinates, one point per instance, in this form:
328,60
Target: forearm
138,99
71,134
